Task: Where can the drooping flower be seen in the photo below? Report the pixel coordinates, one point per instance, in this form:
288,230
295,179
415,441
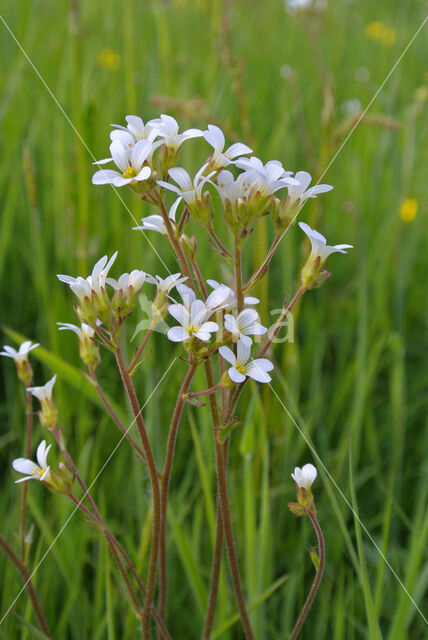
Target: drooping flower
256,369
192,322
21,354
305,476
244,325
30,469
156,222
230,302
130,162
219,158
88,348
301,191
83,331
320,248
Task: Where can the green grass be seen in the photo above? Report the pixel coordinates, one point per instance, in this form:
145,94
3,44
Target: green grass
355,371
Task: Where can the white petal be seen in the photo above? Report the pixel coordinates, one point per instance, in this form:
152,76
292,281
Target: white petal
23,465
180,313
181,177
42,453
198,312
243,353
210,327
227,354
237,149
230,324
258,371
215,137
120,155
235,375
105,176
177,334
144,174
140,153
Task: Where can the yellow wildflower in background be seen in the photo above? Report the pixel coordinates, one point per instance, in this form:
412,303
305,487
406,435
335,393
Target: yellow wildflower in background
380,32
109,59
408,209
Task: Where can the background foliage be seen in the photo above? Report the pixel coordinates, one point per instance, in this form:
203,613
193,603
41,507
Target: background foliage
291,86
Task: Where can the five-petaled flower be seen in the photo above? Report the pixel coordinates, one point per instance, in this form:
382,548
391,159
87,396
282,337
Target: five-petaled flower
167,128
244,325
44,394
130,161
305,476
256,369
30,469
193,324
83,287
134,131
219,158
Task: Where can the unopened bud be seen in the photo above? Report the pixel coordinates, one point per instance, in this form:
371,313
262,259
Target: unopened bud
24,370
296,509
189,245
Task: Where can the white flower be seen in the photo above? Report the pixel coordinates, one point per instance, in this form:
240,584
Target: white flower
30,469
305,476
134,131
190,191
215,301
164,285
256,369
135,280
156,223
129,161
95,282
22,352
231,190
320,248
244,325
230,301
167,128
301,192
44,394
219,159
268,178
192,322
84,331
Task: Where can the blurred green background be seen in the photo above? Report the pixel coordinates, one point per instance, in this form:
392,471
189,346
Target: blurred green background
291,84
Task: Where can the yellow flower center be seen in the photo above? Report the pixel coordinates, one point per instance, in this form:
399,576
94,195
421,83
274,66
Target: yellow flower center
240,368
191,331
38,471
130,173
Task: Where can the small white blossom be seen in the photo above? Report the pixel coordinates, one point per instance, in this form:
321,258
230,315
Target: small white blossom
135,280
305,476
215,301
192,322
190,191
30,469
22,352
84,331
266,179
230,302
44,394
167,128
134,131
164,285
231,190
95,282
156,223
300,192
219,159
256,369
244,325
320,248
130,161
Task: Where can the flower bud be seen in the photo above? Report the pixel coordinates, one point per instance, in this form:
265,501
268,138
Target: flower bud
296,509
24,370
66,476
55,483
189,245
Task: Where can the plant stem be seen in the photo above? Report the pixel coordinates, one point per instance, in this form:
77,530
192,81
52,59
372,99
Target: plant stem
238,278
262,270
176,244
205,392
28,585
154,480
115,417
140,350
317,580
218,242
29,422
165,482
